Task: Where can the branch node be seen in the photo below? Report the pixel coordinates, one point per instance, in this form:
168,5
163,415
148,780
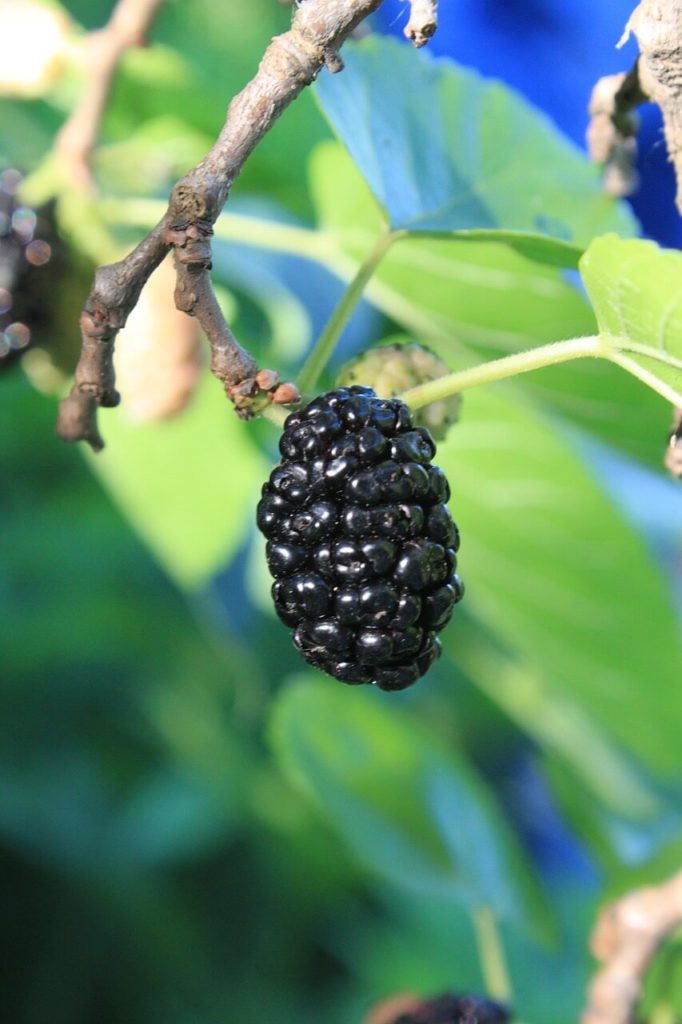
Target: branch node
333,61
192,243
189,205
291,62
252,395
95,325
78,419
267,379
286,394
296,58
423,21
624,940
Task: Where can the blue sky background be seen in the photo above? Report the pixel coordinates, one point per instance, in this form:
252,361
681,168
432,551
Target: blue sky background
554,52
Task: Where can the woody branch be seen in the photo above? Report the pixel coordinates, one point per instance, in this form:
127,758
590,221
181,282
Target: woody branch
291,62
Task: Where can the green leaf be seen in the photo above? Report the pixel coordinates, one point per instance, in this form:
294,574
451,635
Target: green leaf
187,485
559,724
539,248
455,293
28,128
636,291
444,150
470,301
556,572
412,811
630,849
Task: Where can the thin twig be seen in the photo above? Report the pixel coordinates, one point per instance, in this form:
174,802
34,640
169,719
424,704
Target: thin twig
657,25
656,76
423,21
291,62
627,935
319,356
114,294
104,48
613,127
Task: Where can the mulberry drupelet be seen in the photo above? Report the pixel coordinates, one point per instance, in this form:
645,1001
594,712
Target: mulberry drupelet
360,540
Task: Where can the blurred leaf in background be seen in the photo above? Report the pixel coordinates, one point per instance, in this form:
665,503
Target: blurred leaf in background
414,814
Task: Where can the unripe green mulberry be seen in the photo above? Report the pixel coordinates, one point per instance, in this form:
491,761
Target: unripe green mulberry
398,365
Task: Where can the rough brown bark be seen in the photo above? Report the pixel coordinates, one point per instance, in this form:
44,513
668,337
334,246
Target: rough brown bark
656,76
657,26
624,940
291,62
613,127
423,21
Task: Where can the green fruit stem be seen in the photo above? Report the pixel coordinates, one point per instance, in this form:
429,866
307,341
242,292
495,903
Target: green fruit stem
596,346
321,247
276,414
500,369
325,344
491,955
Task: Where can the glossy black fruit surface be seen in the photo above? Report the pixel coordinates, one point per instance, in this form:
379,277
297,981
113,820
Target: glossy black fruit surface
360,540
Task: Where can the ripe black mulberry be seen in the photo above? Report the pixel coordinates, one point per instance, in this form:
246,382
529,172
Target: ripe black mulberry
360,540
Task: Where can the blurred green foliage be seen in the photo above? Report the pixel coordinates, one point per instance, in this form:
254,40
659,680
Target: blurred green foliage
193,830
